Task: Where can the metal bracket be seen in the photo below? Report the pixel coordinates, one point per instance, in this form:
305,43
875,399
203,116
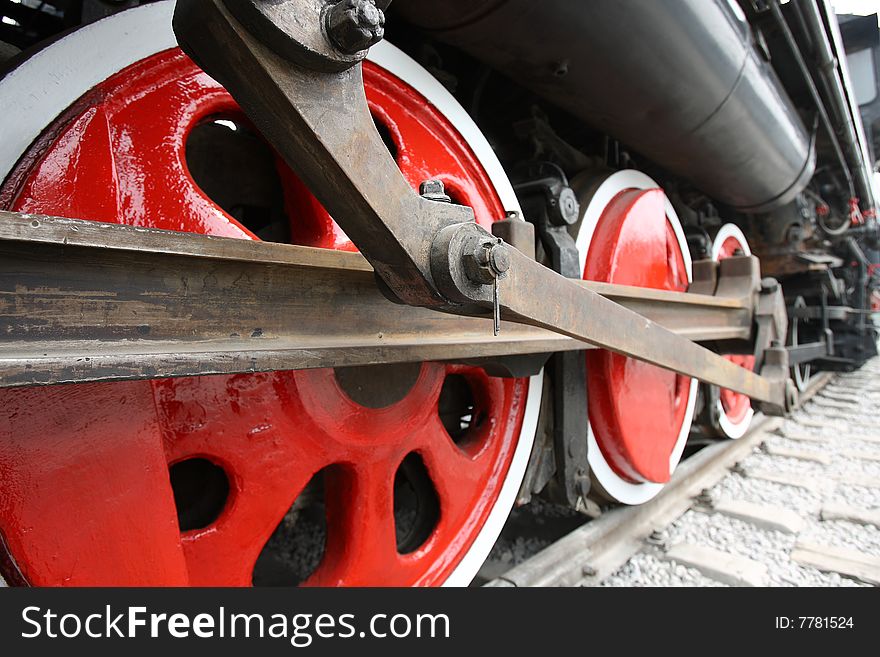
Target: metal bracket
771,319
771,356
776,368
551,205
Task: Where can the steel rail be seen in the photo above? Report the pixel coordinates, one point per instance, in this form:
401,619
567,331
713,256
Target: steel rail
595,550
89,301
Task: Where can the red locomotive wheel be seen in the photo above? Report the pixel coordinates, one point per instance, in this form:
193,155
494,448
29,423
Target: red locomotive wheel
391,475
639,415
734,409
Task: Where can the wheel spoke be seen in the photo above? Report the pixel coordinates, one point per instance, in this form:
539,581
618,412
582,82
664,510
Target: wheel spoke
85,153
428,147
455,475
85,499
361,545
267,458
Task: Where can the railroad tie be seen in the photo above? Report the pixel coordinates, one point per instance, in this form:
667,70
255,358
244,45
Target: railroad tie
862,455
832,559
858,479
722,566
794,433
804,455
763,516
807,481
851,514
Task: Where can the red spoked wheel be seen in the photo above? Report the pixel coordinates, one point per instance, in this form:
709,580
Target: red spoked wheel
391,475
734,409
639,415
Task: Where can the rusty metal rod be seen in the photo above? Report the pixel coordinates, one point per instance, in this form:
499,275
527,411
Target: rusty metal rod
90,301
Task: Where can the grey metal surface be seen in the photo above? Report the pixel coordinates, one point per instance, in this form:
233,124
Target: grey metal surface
678,81
89,301
862,43
598,321
552,206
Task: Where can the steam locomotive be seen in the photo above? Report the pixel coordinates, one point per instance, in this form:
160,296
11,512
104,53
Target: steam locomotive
635,142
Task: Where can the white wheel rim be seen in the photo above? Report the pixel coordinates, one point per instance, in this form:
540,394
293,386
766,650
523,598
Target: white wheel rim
727,231
729,428
71,66
609,481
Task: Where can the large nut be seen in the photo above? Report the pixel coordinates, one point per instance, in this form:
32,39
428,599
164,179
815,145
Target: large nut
499,259
488,261
461,263
355,25
476,265
434,190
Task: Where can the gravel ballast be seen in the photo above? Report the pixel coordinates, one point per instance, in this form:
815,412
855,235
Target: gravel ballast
840,425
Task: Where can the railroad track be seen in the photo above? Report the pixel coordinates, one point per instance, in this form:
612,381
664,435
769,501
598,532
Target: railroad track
790,503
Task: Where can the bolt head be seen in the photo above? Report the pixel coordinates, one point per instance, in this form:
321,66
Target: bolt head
568,206
769,284
434,191
488,261
476,265
355,25
499,259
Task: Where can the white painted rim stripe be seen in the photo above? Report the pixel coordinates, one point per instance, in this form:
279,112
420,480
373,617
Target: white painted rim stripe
35,93
611,187
733,430
727,231
71,66
613,484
